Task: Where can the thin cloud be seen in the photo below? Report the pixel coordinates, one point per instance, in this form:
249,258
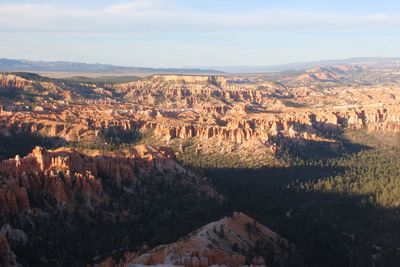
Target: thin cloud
160,16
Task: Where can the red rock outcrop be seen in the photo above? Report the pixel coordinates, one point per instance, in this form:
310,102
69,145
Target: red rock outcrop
13,81
222,243
61,174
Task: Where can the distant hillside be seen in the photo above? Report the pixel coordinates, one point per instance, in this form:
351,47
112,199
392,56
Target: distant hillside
62,66
106,69
377,62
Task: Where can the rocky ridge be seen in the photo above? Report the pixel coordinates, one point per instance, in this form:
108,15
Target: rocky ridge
61,175
232,241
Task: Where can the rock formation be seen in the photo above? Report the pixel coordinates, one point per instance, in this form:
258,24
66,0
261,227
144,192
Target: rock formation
226,242
224,110
63,174
239,121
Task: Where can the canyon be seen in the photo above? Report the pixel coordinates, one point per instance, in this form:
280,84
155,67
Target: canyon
205,111
108,172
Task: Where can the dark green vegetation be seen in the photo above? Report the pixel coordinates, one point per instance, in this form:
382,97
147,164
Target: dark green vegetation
77,79
23,143
292,104
341,211
113,139
339,208
102,79
141,214
31,76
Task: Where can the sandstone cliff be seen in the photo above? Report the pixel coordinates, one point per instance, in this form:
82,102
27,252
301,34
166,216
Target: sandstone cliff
62,176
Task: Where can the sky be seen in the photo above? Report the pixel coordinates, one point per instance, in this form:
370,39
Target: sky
182,33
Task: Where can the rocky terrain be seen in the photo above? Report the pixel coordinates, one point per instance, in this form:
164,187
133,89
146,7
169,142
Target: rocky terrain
87,188
64,175
99,169
232,241
199,113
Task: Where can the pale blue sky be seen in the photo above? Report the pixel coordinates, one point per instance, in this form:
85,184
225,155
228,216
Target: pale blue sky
175,33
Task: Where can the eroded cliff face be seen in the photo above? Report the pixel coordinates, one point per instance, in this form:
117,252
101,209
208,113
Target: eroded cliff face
29,89
238,116
266,135
190,91
70,197
63,176
210,110
13,81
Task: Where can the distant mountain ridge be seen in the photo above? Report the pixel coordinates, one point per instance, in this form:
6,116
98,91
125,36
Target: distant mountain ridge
64,66
301,66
